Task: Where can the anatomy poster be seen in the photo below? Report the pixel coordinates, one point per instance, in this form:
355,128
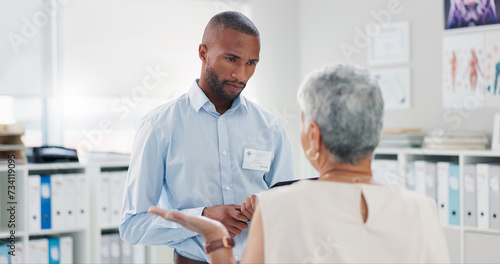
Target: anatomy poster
463,70
492,67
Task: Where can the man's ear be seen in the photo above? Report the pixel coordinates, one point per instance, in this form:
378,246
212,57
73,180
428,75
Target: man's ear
202,52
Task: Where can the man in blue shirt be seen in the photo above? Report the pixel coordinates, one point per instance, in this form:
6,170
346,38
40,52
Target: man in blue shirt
207,151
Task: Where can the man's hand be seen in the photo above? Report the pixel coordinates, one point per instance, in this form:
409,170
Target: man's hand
248,206
228,215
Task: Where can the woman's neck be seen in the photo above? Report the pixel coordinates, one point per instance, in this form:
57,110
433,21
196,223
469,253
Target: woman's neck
347,172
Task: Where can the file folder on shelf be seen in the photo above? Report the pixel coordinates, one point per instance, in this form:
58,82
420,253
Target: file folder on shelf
116,191
35,223
495,196
69,201
4,254
105,250
385,171
115,248
81,191
58,202
420,170
54,251
20,255
66,249
410,176
483,195
470,210
454,194
105,199
431,180
39,251
442,192
45,202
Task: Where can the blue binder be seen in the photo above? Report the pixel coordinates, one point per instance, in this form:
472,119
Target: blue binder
4,253
454,194
54,251
45,194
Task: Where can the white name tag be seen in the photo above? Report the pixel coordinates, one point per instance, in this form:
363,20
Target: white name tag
257,159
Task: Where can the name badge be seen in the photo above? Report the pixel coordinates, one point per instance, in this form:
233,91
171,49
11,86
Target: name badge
257,159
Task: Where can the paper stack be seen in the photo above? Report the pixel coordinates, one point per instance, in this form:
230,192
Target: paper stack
11,145
401,138
464,140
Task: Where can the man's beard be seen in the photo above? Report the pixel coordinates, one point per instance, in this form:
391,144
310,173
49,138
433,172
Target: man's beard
218,85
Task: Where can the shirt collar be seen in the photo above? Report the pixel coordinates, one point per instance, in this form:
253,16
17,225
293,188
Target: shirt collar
198,99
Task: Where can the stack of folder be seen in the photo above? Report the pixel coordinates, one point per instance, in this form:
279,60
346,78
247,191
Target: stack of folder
482,195
441,182
112,186
401,138
58,202
47,250
11,145
467,140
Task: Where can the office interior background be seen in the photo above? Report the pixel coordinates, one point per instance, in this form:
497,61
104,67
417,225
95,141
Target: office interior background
73,73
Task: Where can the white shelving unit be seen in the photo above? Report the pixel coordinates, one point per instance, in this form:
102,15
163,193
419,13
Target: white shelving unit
97,200
80,236
20,232
466,244
86,239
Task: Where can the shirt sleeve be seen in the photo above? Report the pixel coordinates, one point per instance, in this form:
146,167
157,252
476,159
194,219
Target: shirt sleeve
143,189
282,166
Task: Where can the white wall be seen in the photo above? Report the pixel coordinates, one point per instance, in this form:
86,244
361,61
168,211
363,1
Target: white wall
325,24
276,79
296,36
125,41
25,57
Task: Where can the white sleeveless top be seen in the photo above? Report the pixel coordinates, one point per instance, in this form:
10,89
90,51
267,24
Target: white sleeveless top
321,222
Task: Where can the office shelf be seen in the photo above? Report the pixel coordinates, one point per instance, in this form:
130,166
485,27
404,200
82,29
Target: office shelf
49,232
86,239
6,235
462,240
105,226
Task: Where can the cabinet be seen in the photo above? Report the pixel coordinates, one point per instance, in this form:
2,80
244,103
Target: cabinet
32,228
107,188
469,239
77,197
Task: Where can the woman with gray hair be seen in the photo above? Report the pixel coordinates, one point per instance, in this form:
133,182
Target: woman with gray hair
346,215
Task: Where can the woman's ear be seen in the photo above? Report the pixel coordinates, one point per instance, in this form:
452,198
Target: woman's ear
314,135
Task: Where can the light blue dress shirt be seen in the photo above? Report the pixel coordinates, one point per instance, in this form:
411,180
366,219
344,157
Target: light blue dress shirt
186,157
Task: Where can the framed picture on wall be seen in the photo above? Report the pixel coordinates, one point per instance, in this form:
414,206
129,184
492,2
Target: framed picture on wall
390,44
395,84
495,139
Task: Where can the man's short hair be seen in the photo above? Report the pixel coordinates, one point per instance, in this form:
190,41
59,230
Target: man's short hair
236,21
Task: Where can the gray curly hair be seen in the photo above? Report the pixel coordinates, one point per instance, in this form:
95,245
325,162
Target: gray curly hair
346,103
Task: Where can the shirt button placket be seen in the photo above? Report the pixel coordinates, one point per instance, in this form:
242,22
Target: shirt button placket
225,161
